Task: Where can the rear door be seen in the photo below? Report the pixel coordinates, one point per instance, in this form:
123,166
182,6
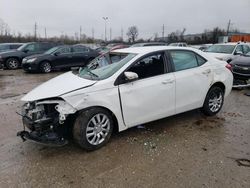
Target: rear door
152,96
80,55
193,76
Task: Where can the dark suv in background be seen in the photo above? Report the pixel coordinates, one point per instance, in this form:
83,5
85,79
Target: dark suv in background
9,46
59,57
13,59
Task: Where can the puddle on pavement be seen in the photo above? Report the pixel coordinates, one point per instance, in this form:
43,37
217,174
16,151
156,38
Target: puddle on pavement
9,95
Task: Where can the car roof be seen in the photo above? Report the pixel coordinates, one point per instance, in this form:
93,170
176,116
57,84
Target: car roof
148,49
11,43
230,43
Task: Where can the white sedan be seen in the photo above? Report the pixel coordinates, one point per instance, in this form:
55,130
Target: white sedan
122,89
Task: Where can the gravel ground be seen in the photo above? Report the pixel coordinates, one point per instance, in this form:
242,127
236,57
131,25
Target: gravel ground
186,150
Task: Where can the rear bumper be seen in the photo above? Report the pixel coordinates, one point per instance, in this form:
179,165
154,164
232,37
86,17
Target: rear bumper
241,76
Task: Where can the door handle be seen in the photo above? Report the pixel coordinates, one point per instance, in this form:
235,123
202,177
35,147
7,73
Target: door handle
169,81
208,71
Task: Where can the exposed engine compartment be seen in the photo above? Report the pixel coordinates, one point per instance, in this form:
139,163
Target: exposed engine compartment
46,121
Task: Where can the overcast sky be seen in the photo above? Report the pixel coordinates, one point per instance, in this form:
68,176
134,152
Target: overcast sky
66,16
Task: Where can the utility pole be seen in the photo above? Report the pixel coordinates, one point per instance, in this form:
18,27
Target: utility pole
35,31
80,36
105,22
93,33
110,34
163,31
122,33
45,32
228,27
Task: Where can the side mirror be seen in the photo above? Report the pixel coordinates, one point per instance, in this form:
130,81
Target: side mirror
25,50
57,53
131,76
238,53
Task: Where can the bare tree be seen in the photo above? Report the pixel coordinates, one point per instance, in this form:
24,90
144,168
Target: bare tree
132,33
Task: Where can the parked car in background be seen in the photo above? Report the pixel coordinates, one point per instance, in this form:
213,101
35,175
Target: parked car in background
241,68
179,44
228,51
122,89
149,44
13,59
9,46
120,46
102,49
59,57
202,47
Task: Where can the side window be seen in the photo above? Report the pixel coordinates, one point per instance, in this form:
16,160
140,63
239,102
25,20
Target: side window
14,46
183,60
80,49
246,49
65,50
45,46
149,66
239,49
31,47
200,60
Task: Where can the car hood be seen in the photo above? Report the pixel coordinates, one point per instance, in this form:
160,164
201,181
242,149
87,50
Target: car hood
57,86
242,60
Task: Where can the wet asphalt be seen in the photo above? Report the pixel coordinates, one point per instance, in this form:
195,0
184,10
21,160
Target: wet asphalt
186,150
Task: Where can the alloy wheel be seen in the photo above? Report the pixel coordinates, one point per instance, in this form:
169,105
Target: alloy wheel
97,129
46,67
215,101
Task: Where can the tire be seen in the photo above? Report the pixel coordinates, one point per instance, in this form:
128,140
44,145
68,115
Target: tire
45,67
92,128
12,63
214,101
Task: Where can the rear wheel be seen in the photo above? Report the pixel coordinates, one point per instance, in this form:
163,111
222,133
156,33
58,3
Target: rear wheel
45,67
214,101
93,128
12,63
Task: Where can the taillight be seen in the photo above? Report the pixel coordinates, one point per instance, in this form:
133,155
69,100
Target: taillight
229,67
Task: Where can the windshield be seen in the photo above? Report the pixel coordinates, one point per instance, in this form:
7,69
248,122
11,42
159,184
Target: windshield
52,50
226,49
21,48
105,65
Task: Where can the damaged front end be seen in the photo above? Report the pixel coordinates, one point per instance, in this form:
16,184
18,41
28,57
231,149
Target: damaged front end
47,121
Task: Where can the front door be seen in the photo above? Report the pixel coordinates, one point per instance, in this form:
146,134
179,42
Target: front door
152,96
63,57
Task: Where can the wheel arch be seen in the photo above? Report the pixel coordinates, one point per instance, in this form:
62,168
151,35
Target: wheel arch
220,85
16,57
116,126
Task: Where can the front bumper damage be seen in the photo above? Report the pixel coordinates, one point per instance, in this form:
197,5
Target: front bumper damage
46,122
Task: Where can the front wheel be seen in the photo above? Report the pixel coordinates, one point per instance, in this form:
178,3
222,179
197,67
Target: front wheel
45,67
12,63
93,128
213,102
